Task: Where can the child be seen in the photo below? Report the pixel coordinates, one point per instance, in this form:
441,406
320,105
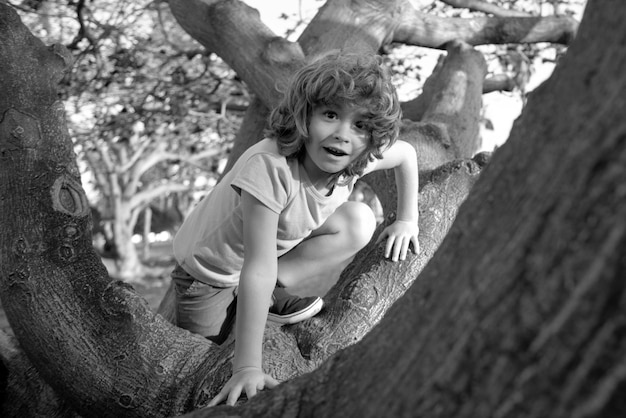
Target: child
281,217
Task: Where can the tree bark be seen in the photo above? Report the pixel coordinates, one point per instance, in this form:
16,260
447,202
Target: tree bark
365,25
55,291
415,28
483,328
489,8
79,313
530,321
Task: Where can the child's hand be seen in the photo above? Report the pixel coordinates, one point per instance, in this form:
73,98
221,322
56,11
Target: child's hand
399,235
250,379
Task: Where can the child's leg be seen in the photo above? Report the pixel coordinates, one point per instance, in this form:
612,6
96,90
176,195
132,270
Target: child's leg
314,265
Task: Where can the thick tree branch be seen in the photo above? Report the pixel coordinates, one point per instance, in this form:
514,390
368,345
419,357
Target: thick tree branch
485,7
537,328
494,318
23,385
48,252
100,175
339,24
233,30
146,196
421,29
364,293
149,160
137,154
454,96
499,82
157,156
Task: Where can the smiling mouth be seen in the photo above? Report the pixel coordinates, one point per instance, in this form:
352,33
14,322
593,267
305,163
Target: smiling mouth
334,151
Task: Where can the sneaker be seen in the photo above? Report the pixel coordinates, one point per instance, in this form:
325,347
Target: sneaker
289,309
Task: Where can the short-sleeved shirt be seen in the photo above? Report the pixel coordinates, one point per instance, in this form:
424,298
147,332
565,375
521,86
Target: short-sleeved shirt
209,244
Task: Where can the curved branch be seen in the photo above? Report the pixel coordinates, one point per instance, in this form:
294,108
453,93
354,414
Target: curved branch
100,176
234,31
34,393
83,32
103,150
150,194
530,322
354,305
157,156
61,263
499,82
118,333
443,121
137,154
483,6
340,25
421,29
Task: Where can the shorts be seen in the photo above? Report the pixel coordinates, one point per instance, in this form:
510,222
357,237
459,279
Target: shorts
204,309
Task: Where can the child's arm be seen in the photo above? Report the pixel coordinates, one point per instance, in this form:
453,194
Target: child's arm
256,284
402,158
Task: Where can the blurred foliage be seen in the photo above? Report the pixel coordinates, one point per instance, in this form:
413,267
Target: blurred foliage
138,77
145,101
150,111
139,85
516,61
153,114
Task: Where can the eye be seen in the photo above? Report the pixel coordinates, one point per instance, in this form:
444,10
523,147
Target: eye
361,125
330,114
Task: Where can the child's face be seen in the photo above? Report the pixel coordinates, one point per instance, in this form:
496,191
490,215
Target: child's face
338,135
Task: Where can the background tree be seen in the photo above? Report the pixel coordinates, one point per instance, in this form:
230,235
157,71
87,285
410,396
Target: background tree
147,109
549,254
137,76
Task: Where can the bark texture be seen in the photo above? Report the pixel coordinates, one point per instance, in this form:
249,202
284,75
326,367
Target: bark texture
480,332
521,310
94,341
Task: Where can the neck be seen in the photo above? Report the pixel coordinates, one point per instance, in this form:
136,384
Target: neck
320,180
323,185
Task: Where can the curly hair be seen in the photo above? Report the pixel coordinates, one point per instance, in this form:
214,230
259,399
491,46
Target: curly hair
336,79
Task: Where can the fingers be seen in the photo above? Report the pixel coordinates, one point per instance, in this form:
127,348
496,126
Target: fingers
405,247
219,398
270,382
251,389
397,246
389,246
381,237
398,238
232,392
416,244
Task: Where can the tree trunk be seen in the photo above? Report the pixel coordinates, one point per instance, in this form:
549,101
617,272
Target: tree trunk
521,311
129,266
147,228
77,304
93,340
523,302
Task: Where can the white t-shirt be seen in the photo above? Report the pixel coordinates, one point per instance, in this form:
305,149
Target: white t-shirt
209,244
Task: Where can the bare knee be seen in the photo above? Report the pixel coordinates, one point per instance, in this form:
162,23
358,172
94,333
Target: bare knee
358,223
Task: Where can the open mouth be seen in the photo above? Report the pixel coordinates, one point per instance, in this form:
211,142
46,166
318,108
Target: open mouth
334,151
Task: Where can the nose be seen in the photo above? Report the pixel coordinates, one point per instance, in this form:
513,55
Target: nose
342,132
